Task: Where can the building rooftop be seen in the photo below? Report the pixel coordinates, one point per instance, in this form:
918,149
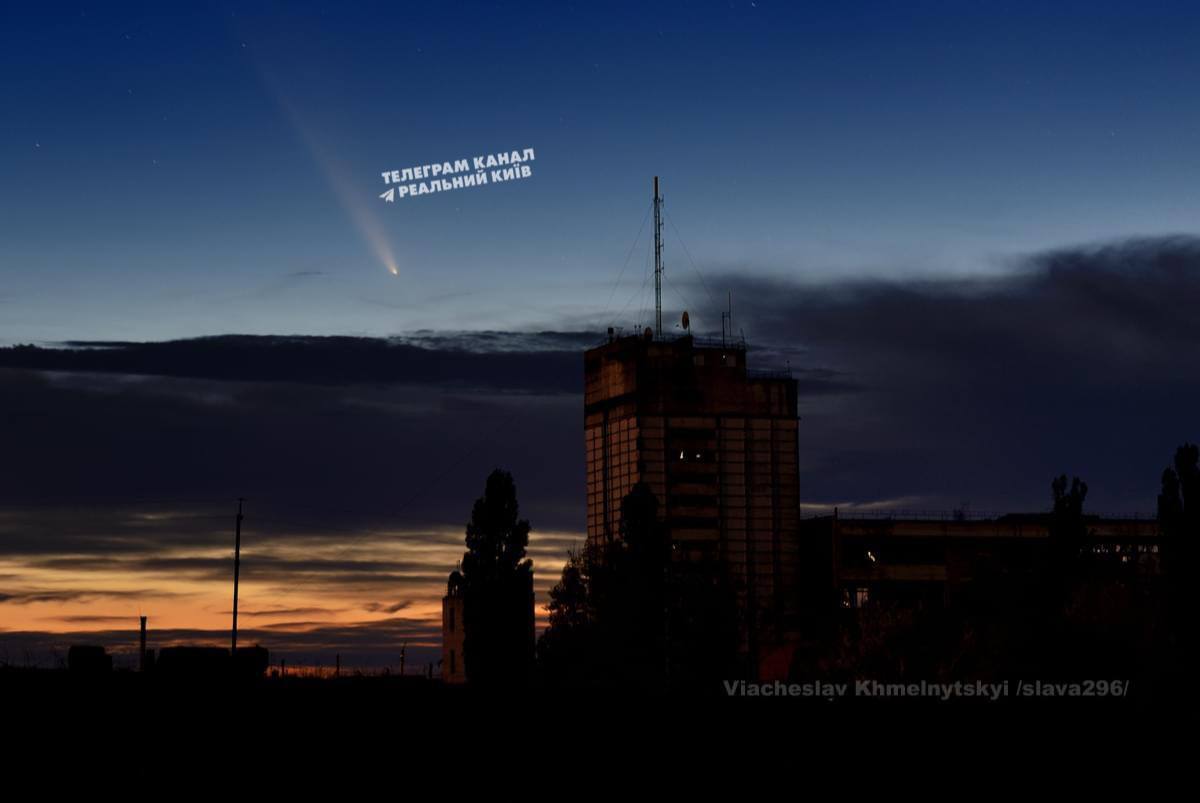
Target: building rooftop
685,375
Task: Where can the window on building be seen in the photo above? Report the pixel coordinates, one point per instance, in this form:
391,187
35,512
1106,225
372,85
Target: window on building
861,597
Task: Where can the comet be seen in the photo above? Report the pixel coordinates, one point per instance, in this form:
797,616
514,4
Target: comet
348,192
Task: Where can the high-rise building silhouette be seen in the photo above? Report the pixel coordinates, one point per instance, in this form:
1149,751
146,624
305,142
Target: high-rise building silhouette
717,444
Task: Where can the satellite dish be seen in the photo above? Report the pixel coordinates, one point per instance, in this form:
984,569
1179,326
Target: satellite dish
686,320
648,334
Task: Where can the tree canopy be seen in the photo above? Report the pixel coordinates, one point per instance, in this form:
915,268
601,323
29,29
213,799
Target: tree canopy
497,582
631,613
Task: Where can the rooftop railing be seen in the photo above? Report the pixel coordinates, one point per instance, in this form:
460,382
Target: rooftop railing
960,515
768,373
701,341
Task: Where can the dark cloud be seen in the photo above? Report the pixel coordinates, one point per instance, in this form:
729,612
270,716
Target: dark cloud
547,362
310,458
376,607
332,574
1082,360
89,619
494,342
267,612
79,595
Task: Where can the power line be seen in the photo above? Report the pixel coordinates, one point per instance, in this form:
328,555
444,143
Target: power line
703,282
638,292
629,256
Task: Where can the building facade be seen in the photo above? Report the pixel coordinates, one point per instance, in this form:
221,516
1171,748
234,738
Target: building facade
717,444
900,560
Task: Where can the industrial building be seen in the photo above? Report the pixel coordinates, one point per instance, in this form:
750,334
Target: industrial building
896,559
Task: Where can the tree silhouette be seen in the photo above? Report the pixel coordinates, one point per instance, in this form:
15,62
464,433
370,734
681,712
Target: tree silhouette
1179,524
628,613
635,603
1067,529
497,588
1179,510
563,649
568,604
702,625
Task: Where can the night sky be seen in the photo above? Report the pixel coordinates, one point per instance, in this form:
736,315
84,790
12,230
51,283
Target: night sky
969,229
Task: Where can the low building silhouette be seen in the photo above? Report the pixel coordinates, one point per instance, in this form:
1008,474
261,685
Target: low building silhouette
188,662
88,659
251,662
930,560
453,637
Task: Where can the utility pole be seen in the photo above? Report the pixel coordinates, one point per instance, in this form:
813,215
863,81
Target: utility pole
658,266
142,645
237,564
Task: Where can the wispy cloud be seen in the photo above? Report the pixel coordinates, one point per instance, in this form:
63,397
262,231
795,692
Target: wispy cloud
396,607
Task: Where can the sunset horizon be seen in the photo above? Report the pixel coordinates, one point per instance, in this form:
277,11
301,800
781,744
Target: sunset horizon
658,347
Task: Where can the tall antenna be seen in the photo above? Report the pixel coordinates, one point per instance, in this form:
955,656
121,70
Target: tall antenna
658,266
237,564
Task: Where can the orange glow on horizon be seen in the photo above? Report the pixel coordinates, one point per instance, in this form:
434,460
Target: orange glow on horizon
288,586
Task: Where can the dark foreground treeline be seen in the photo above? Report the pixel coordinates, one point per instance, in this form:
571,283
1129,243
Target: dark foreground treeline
628,618
626,615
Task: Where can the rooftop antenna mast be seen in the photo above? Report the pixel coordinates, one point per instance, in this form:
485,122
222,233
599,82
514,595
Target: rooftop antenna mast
658,265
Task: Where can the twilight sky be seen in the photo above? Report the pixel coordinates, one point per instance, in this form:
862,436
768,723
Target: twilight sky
967,227
170,171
